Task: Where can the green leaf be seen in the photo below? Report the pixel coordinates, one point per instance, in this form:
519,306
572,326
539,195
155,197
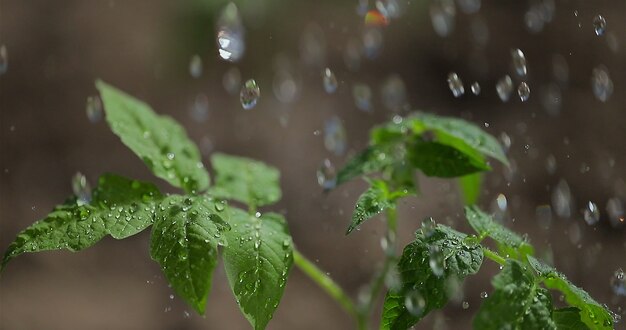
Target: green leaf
257,259
120,207
440,160
594,315
185,236
373,201
245,180
470,135
510,243
158,140
372,159
568,319
460,259
128,206
517,302
470,187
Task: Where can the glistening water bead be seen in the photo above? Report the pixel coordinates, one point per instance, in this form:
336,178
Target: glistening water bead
523,90
601,83
250,94
94,109
455,84
81,189
4,59
475,88
326,175
195,66
329,80
591,213
519,62
599,25
504,88
230,34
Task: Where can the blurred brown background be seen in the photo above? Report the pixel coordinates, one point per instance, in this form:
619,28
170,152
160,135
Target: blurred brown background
56,49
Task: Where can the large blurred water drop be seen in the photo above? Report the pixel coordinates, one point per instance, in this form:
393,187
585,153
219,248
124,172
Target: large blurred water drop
591,213
523,90
4,59
442,16
562,199
335,136
519,62
81,189
362,94
329,80
393,93
195,66
94,109
599,25
232,80
504,88
327,175
414,303
199,109
601,83
455,84
250,94
285,86
230,34
475,88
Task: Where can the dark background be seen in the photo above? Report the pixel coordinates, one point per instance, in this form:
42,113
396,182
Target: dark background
58,48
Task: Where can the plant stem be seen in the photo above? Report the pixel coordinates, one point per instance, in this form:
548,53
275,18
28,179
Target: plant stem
325,282
493,256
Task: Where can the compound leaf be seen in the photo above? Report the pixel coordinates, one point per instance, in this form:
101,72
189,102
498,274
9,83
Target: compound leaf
158,140
459,259
257,259
516,303
594,315
185,236
245,180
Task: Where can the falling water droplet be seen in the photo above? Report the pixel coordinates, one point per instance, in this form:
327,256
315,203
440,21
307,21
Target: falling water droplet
81,189
442,16
326,175
601,83
504,88
195,66
362,95
414,303
199,109
329,80
285,86
519,62
393,93
618,283
484,295
250,94
501,202
591,213
475,88
335,136
94,109
562,199
436,260
428,226
230,34
465,305
232,80
523,90
4,59
455,84
599,25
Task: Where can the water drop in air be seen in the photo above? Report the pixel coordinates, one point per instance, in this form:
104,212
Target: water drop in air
393,93
250,94
484,295
442,16
591,213
414,303
329,80
523,90
618,283
599,25
475,88
326,175
230,34
504,88
199,109
455,84
601,83
436,260
519,62
81,189
562,199
285,86
362,95
232,80
335,136
465,305
4,59
195,66
94,109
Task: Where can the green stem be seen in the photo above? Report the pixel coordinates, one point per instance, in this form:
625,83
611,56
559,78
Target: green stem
325,282
494,256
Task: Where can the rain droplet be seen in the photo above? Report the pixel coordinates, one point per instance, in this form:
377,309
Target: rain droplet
436,260
465,305
232,80
4,59
504,87
601,83
501,202
230,34
484,295
523,90
362,95
562,199
599,25
428,226
327,175
250,94
591,213
329,80
618,283
414,303
442,15
94,109
475,88
335,136
195,66
199,109
455,84
81,188
171,296
519,62
285,86
393,93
